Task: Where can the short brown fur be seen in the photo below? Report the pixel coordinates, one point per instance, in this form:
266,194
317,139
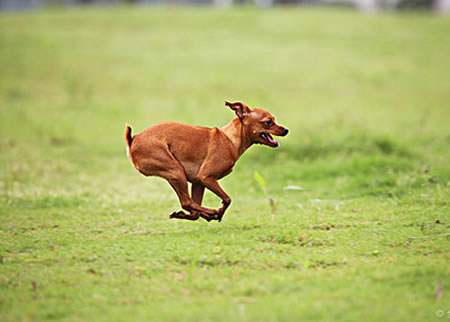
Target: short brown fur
183,153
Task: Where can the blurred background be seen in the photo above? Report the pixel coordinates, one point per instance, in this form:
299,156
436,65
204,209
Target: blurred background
350,86
442,6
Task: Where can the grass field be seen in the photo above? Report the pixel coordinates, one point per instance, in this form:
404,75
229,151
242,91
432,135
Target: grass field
83,236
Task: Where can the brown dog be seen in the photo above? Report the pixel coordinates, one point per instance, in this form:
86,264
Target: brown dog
180,153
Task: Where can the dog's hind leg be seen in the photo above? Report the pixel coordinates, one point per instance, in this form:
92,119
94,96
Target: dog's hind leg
179,184
163,164
175,175
197,192
212,184
181,215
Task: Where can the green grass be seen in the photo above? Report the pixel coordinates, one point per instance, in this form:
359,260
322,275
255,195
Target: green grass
83,236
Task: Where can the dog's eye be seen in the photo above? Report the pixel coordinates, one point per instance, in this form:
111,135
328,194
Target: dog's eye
269,122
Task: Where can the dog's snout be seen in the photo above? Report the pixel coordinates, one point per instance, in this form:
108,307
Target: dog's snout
286,131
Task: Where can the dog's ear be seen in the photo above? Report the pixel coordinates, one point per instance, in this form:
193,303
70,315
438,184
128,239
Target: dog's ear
239,108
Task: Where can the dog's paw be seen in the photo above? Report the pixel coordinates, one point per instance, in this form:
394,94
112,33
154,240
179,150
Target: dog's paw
176,214
207,217
217,216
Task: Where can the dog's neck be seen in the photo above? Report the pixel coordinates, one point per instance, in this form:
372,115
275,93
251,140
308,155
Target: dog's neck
235,131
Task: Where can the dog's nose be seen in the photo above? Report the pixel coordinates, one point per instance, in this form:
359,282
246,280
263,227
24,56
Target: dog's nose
286,131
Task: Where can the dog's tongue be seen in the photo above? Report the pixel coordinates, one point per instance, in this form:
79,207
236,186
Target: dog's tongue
271,140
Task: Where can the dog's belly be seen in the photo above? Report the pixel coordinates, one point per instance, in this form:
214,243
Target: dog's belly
191,169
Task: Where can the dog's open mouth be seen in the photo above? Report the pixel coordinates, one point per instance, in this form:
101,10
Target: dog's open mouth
269,139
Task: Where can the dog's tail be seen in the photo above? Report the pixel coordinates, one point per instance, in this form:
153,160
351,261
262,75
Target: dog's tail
128,139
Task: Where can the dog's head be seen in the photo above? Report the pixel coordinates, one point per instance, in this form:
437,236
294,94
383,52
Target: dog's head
259,124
